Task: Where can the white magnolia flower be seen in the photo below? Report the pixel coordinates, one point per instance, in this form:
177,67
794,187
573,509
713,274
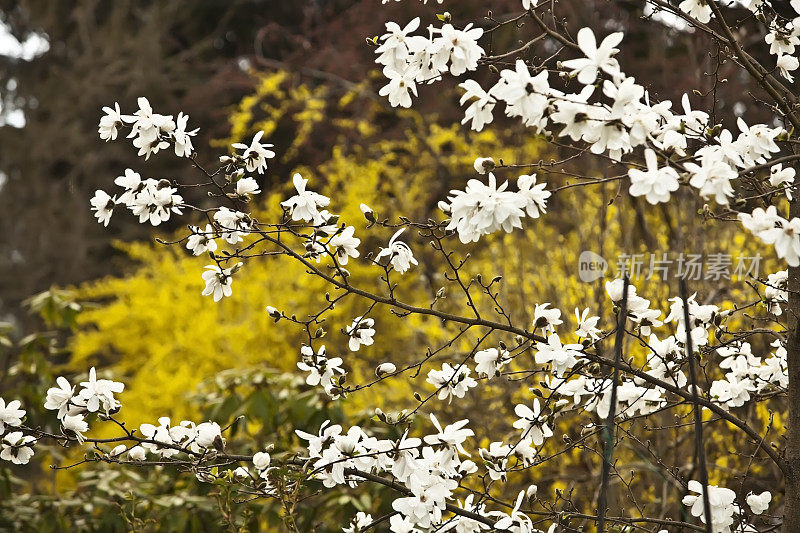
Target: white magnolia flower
698,9
150,131
155,202
787,64
712,178
201,241
240,472
103,206
561,357
480,110
209,435
496,460
160,435
16,448
516,521
655,184
759,502
344,245
247,186
546,318
97,393
304,205
398,252
321,369
110,123
137,453
597,57
775,292
534,194
782,39
734,391
218,281
399,88
118,450
452,435
393,51
482,209
261,460
529,423
399,523
256,154
232,224
451,381
367,212
760,220
525,96
361,332
587,325
781,177
721,501
182,138
75,425
359,523
786,240
10,415
60,397
489,362
457,47
132,182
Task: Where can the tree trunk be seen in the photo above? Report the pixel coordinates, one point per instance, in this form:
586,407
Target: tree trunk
791,518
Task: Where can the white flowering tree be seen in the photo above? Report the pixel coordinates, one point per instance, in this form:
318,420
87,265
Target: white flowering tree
697,358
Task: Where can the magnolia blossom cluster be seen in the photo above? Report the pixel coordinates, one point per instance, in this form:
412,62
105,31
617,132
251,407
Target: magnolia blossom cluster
322,370
95,396
15,446
151,200
747,373
430,467
154,201
71,406
770,227
411,59
724,509
615,120
625,120
167,440
775,293
782,36
482,209
150,131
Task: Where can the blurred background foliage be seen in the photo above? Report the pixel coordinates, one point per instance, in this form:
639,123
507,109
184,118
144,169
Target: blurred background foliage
133,307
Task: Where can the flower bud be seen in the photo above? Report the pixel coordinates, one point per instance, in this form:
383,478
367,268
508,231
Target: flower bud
385,368
137,453
273,313
484,164
368,213
261,460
